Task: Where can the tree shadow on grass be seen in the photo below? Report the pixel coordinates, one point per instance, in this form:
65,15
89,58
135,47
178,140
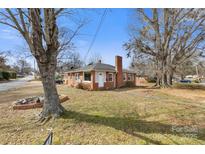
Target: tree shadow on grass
128,125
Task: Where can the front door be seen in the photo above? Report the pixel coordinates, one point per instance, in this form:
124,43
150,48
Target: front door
100,80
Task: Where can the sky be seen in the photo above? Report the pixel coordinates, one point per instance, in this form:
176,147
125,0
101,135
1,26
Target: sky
108,43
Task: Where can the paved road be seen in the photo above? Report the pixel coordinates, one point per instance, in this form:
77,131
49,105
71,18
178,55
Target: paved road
14,84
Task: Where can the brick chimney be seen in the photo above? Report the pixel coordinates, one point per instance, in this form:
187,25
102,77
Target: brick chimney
118,67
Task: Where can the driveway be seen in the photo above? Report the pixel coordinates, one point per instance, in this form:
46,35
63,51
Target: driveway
15,84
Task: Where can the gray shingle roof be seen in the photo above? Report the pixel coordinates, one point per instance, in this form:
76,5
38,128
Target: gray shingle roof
95,66
99,67
128,71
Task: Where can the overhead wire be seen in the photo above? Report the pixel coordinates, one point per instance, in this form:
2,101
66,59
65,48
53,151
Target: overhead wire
96,33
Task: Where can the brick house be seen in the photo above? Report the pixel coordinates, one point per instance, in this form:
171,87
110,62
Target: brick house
100,76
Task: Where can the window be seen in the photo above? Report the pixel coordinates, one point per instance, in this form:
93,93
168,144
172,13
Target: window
110,77
77,76
124,77
129,77
87,76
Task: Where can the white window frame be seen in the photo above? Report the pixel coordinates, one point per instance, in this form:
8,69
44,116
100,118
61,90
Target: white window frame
77,76
108,77
84,77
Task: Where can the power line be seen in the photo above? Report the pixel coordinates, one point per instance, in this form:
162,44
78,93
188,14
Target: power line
96,33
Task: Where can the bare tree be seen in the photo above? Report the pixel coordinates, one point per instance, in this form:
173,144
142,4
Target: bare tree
40,30
22,67
95,58
69,61
143,65
3,59
169,36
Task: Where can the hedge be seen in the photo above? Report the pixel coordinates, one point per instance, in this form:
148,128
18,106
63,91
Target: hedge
129,84
189,86
1,75
6,75
83,86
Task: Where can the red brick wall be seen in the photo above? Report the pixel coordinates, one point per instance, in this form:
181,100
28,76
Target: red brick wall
133,79
94,84
119,76
71,81
110,84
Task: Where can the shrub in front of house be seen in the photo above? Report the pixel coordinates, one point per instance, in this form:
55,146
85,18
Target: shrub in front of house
129,84
83,86
79,86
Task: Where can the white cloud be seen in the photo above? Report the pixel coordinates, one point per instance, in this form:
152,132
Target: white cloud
6,30
8,34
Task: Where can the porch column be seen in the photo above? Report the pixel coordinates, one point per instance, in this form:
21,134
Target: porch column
93,87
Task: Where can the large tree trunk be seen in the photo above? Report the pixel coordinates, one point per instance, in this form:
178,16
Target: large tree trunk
52,106
170,75
169,78
163,74
164,83
158,81
182,76
158,74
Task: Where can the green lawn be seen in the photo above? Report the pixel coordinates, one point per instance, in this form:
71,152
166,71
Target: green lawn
125,116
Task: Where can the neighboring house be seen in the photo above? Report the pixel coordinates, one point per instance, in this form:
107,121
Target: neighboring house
100,76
